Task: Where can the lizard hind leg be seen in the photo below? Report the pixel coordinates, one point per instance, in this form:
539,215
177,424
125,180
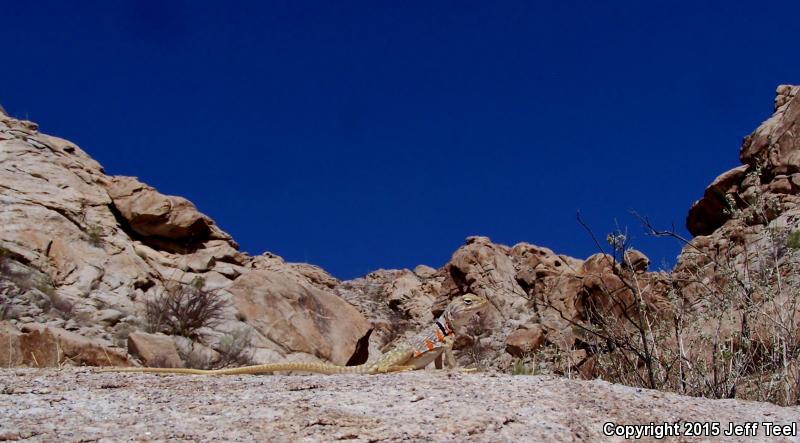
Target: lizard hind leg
390,362
401,368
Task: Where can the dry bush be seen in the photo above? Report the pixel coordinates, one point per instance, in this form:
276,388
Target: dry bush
5,307
22,284
743,337
234,349
196,358
547,360
724,324
184,309
15,271
159,361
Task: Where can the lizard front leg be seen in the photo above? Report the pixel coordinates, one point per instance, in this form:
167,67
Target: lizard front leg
448,354
451,359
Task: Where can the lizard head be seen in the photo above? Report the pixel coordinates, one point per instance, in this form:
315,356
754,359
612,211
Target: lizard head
463,308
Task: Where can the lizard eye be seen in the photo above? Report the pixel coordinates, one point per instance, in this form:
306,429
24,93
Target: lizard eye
467,301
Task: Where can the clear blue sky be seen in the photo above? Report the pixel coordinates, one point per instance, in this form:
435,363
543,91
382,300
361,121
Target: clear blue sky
379,134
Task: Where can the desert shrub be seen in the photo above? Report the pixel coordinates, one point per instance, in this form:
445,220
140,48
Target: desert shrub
793,241
22,284
5,308
159,361
723,324
184,309
25,277
196,360
524,366
95,235
234,349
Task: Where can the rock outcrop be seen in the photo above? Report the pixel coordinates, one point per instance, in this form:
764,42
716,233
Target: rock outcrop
81,253
752,210
537,296
747,228
770,159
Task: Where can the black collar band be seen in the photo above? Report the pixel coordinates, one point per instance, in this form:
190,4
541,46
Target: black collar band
445,330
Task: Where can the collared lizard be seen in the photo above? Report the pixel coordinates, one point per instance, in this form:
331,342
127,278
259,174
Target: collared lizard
417,354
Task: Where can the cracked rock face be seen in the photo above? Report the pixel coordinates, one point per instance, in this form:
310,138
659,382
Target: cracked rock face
81,251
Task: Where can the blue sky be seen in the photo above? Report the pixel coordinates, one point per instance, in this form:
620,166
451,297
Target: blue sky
365,135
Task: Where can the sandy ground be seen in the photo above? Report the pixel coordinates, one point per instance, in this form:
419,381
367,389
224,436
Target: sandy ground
76,404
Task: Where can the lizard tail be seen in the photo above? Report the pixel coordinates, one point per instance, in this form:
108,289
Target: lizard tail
319,368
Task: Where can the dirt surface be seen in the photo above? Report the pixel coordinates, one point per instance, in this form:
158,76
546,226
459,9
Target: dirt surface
77,404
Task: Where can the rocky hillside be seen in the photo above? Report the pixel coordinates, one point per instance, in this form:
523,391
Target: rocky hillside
86,257
81,252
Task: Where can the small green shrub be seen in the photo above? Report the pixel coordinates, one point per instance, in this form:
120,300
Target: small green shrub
95,234
523,366
793,241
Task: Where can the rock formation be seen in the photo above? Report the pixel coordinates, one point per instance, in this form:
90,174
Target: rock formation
770,159
748,216
82,254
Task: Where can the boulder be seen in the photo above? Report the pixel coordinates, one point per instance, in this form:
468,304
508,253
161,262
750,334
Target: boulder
150,213
154,350
636,260
42,346
525,340
11,351
424,271
315,275
297,316
774,145
708,213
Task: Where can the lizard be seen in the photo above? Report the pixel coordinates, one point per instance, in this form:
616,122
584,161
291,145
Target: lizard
416,354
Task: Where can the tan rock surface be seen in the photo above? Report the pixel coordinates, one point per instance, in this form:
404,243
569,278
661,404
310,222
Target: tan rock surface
76,404
523,341
150,213
298,317
155,350
41,346
774,145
